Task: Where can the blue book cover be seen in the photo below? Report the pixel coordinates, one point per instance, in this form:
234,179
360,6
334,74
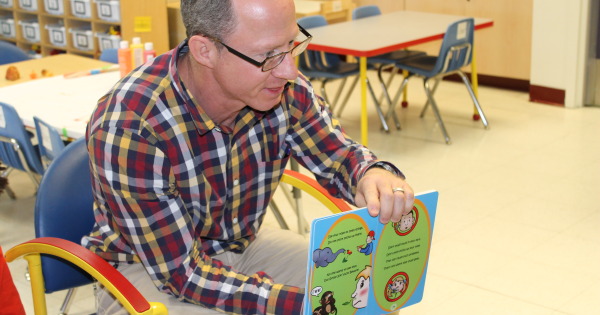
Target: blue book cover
358,265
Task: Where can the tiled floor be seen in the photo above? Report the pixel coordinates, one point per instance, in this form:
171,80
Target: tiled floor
517,228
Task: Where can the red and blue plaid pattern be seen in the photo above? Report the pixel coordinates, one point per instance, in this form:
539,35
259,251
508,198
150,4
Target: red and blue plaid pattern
172,189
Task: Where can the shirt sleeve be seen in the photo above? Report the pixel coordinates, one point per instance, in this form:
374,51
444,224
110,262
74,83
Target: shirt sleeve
135,184
321,145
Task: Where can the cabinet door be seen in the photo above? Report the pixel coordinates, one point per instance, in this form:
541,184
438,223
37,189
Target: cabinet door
456,7
504,50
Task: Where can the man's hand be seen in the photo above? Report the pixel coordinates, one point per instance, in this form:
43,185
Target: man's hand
376,191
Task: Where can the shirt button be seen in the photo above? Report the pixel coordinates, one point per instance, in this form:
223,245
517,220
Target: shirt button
235,220
236,182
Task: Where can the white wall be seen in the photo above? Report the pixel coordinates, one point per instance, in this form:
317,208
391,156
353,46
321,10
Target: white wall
558,52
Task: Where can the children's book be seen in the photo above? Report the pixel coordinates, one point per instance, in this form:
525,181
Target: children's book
358,265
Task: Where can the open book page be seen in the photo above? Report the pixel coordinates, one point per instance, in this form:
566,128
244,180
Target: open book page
358,265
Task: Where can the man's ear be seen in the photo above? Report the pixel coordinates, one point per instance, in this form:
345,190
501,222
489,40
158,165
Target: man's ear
203,50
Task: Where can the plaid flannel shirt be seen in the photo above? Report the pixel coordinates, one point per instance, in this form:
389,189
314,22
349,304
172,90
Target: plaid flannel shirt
172,188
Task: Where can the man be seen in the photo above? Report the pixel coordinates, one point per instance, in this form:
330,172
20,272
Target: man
368,248
187,150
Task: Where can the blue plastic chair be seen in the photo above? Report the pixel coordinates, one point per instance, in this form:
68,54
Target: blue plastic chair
16,149
10,53
387,60
109,55
365,11
326,67
50,143
455,53
64,209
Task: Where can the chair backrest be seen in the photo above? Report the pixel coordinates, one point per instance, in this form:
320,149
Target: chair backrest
64,209
314,59
50,143
109,55
10,53
16,149
365,11
457,46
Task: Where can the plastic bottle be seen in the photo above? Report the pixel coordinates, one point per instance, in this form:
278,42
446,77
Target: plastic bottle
137,52
149,53
124,58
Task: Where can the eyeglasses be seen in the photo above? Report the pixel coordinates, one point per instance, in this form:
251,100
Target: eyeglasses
272,61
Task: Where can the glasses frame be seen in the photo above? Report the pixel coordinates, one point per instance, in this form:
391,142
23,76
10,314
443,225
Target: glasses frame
262,64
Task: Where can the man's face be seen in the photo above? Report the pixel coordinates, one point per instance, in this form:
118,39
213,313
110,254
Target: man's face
360,297
265,27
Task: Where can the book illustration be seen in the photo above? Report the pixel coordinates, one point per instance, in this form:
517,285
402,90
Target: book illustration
396,286
360,297
361,266
368,248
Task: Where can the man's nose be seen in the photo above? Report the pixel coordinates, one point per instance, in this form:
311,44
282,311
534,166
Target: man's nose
287,68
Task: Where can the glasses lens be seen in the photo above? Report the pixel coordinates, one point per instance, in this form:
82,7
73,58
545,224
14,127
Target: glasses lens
274,61
300,48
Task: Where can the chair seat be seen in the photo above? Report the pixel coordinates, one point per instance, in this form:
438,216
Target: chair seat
420,65
339,71
395,56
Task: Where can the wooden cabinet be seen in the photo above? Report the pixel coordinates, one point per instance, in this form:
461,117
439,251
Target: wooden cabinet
82,26
333,10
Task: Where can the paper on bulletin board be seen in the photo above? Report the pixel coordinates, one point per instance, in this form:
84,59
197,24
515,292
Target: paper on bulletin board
142,24
337,6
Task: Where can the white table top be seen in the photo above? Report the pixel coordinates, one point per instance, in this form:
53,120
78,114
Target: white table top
384,33
66,104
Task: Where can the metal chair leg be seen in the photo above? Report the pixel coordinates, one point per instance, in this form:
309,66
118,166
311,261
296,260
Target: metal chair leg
64,309
338,93
436,111
297,195
324,92
435,86
277,213
387,97
348,94
382,117
397,96
390,78
474,98
11,194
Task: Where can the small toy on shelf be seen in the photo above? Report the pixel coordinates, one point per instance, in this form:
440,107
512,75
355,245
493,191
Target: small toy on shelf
12,74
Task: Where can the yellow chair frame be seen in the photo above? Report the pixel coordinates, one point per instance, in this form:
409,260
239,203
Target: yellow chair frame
313,188
108,276
98,268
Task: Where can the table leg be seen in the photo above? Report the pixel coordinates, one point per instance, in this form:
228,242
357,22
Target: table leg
364,121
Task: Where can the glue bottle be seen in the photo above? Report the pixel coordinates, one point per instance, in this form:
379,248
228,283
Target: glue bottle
124,58
149,53
137,52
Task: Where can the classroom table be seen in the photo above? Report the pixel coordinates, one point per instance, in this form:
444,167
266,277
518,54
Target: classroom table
56,65
63,103
384,33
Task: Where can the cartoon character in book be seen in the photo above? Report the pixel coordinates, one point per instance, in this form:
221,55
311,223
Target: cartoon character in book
360,297
396,287
367,249
325,256
407,221
327,305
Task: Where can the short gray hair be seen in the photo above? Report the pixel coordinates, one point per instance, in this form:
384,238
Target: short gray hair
213,18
